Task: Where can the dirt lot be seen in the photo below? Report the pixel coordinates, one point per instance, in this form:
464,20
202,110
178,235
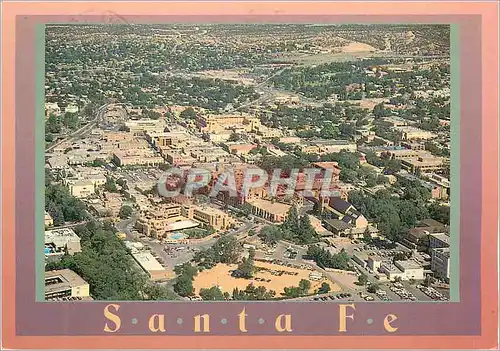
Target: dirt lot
345,279
358,47
221,275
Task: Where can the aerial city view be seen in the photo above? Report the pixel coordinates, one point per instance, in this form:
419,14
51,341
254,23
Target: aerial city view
247,162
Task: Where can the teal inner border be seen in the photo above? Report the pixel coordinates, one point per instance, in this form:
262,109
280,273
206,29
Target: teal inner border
40,162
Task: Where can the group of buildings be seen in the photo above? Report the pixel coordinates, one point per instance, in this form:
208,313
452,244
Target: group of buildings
430,243
63,285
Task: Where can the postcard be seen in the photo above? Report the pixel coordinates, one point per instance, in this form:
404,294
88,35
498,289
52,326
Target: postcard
250,175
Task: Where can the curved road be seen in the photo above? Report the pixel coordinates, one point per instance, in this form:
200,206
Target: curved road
83,130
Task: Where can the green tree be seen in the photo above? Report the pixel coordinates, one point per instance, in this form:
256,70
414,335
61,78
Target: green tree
184,285
155,291
371,180
270,235
186,269
291,223
98,162
304,286
110,185
105,263
188,113
234,137
125,212
246,267
373,288
122,182
362,279
212,294
53,125
324,288
306,233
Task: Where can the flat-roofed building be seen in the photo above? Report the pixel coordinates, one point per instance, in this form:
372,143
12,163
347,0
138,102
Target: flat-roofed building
65,285
134,157
414,146
163,139
405,270
81,188
213,217
214,123
149,264
333,146
375,262
269,133
272,211
146,125
178,157
425,164
392,272
62,240
413,133
154,222
407,154
411,269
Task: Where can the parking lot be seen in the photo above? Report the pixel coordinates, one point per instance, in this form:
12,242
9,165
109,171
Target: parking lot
145,175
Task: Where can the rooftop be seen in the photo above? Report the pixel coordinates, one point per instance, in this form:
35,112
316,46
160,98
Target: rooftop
58,234
276,208
63,279
338,224
147,261
408,264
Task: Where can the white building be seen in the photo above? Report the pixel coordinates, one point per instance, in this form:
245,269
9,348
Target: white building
405,270
440,263
60,241
411,269
71,108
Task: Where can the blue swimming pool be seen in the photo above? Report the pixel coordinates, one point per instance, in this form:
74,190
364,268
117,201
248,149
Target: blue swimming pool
177,236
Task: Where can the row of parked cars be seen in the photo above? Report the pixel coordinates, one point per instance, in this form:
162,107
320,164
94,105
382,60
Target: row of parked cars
332,297
432,293
399,290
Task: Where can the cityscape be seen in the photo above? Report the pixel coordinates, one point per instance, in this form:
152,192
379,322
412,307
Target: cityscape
263,162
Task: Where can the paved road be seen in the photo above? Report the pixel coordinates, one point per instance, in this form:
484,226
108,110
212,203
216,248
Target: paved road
69,225
83,130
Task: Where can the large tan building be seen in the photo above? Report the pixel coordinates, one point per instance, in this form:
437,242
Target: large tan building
135,157
81,188
424,164
146,125
217,219
413,133
154,222
163,139
65,285
272,211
